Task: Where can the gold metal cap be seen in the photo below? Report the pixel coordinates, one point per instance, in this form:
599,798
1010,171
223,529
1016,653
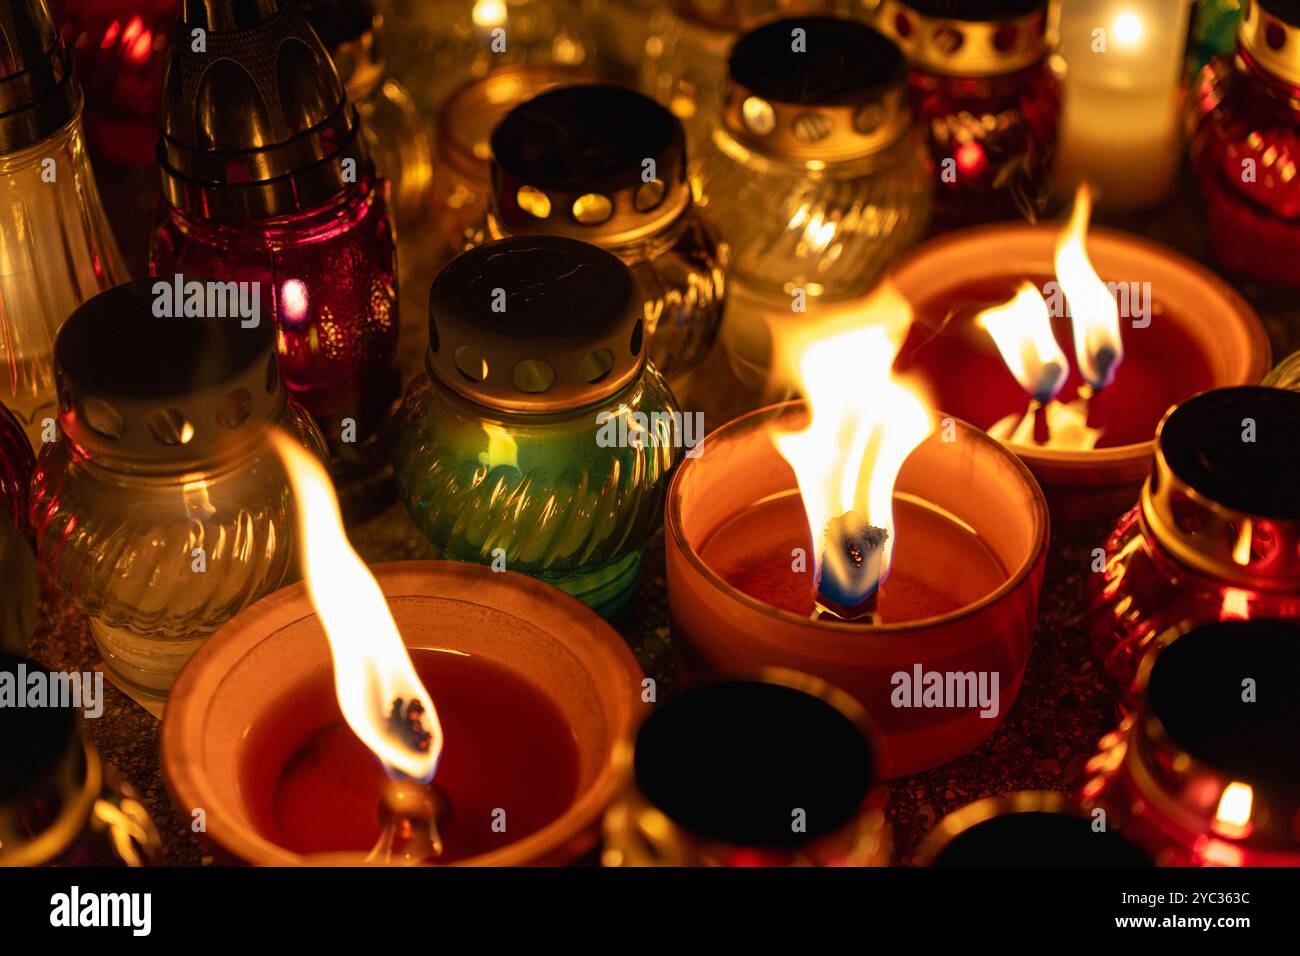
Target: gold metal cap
1222,492
835,91
1270,34
716,773
257,124
39,94
536,324
595,162
966,37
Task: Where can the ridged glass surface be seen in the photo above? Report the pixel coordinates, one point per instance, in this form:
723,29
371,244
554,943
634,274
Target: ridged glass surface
121,544
56,251
540,488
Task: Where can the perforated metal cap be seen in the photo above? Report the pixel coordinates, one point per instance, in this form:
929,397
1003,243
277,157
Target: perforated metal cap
596,162
166,392
816,88
38,92
966,37
257,124
536,324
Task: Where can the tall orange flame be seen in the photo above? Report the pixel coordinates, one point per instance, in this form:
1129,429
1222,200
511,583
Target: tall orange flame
862,426
1094,316
372,669
1022,331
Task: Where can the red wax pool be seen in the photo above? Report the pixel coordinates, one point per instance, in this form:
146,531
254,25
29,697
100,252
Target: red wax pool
313,787
965,376
938,566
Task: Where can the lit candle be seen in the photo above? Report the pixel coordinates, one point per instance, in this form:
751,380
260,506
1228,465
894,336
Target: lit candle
1119,125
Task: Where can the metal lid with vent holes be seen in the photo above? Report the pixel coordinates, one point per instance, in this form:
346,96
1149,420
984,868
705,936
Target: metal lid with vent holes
597,162
966,37
536,324
38,93
816,89
171,392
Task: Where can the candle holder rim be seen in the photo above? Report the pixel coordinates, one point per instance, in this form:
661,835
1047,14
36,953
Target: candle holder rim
183,770
847,629
1260,347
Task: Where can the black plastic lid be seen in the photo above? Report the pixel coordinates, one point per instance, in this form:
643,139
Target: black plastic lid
842,61
1202,440
36,739
1038,838
1196,688
732,762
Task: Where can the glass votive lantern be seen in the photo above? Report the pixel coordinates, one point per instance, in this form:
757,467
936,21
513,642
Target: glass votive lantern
16,463
1285,374
606,165
60,804
161,510
813,176
1216,534
266,178
985,97
1246,146
462,169
1203,772
56,245
683,62
1028,828
772,769
395,135
540,439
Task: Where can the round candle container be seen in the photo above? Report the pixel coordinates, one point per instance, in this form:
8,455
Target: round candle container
813,176
607,165
462,168
985,97
1203,772
1216,534
540,439
1246,143
533,692
1200,335
60,804
161,510
701,790
1029,828
16,463
971,530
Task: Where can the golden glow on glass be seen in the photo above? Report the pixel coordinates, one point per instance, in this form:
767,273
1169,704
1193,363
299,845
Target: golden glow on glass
534,202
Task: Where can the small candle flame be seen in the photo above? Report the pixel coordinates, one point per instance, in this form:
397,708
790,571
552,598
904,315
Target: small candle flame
381,696
1232,818
1094,316
862,426
1022,331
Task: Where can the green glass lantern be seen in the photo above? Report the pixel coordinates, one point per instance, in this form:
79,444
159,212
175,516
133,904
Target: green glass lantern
540,440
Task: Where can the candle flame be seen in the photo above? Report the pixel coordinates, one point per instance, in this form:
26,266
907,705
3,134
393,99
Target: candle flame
1022,331
372,670
1094,316
1232,818
862,423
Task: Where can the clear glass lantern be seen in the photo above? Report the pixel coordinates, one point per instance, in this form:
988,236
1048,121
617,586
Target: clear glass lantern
606,165
162,510
540,439
56,246
814,176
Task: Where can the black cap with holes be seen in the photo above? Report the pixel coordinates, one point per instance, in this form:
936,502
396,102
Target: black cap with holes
538,324
141,381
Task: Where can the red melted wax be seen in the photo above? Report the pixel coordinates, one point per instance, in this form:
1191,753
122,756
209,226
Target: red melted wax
965,376
313,787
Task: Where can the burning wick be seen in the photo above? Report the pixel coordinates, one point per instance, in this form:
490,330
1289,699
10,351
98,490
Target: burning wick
852,566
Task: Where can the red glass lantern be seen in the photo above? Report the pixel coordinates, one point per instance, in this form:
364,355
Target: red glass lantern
1216,535
120,49
16,463
1203,773
988,101
267,179
1246,146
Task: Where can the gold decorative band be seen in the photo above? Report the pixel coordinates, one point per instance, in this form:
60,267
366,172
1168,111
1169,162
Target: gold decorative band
963,47
810,131
1271,42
